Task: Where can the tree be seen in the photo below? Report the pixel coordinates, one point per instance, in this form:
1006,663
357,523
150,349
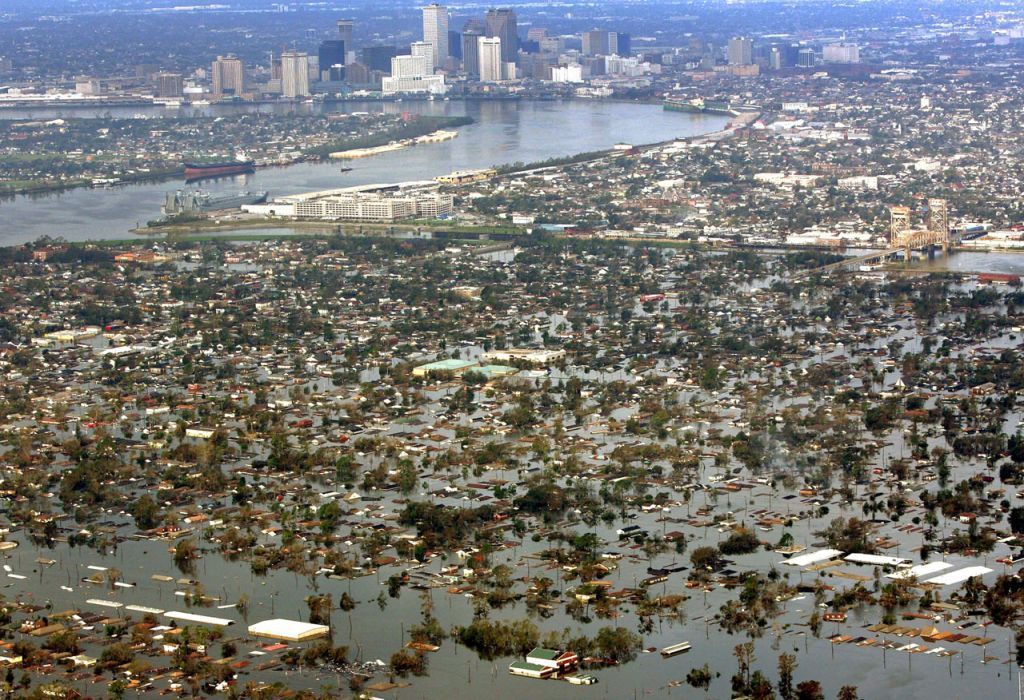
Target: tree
809,690
185,552
1016,519
744,654
787,664
146,513
617,643
700,677
704,559
848,692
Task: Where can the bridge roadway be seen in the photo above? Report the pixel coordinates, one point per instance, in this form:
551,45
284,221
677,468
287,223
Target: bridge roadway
851,261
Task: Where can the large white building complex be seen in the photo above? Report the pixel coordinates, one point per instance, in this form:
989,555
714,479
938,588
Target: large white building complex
376,203
414,73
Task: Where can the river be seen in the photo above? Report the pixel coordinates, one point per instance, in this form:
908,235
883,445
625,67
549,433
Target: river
502,132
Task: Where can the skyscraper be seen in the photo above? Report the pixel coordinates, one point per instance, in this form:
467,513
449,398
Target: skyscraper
501,23
378,57
331,53
168,85
595,43
471,33
345,34
623,44
741,51
228,77
490,59
295,74
435,32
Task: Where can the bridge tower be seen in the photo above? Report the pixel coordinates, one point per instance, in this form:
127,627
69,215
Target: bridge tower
938,222
899,223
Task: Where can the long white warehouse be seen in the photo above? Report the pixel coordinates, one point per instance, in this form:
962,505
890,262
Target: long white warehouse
921,571
959,576
812,557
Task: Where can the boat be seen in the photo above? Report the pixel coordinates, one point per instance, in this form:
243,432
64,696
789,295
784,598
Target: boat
346,170
674,649
581,680
191,201
198,171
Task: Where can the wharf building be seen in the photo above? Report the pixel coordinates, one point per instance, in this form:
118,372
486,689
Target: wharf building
370,203
377,206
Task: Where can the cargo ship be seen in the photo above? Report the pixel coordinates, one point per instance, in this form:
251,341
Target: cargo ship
193,201
198,171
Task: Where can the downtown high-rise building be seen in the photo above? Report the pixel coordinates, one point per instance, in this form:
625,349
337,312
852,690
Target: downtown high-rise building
168,85
490,59
332,52
595,43
471,33
345,27
435,33
740,51
295,74
501,23
378,57
228,76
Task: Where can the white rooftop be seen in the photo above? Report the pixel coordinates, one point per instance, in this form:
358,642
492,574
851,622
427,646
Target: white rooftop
921,570
876,559
812,557
959,576
288,630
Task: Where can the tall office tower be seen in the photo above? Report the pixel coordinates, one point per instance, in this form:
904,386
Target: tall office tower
595,43
228,77
435,32
454,44
741,51
168,84
295,74
501,23
490,59
378,57
783,56
331,53
536,34
6,66
410,66
806,58
623,44
345,34
471,33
